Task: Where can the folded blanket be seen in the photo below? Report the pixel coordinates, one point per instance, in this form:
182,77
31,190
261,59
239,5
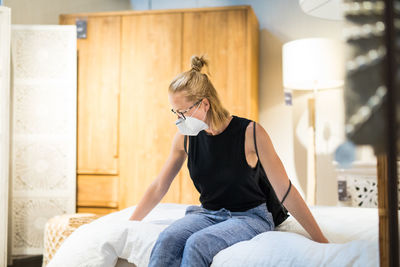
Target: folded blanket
353,232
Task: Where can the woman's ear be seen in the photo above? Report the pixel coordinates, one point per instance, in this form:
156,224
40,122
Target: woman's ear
206,104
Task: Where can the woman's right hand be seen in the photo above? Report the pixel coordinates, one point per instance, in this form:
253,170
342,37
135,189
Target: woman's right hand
150,199
159,187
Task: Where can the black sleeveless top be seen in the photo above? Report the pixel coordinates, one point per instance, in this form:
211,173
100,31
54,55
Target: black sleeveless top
219,170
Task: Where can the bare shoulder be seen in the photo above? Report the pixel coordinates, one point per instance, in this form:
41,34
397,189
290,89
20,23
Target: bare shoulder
249,140
178,142
261,135
260,131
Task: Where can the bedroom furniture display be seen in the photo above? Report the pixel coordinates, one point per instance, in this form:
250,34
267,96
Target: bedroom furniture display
125,63
43,147
371,99
312,64
5,34
58,228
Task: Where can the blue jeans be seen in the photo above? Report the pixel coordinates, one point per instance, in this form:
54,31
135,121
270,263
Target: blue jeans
197,237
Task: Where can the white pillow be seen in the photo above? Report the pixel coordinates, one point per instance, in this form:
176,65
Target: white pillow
286,249
339,224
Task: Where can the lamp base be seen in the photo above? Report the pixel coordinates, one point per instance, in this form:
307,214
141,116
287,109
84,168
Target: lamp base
311,155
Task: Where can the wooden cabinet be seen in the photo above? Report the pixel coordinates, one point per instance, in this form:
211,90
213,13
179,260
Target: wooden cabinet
126,62
98,97
147,127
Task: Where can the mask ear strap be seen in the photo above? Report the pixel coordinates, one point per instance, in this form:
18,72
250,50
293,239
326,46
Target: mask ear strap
196,109
205,114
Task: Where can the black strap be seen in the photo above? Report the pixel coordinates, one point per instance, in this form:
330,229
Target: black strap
255,144
287,192
185,142
254,137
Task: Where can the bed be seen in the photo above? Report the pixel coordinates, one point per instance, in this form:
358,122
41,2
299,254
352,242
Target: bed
113,240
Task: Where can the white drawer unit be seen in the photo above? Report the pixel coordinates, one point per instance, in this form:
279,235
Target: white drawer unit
357,185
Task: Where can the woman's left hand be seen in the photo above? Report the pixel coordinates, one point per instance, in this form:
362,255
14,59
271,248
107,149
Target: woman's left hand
279,180
321,240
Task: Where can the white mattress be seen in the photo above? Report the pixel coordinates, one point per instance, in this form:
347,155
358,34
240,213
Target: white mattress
113,240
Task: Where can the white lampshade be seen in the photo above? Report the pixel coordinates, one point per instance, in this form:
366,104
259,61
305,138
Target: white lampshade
325,9
313,63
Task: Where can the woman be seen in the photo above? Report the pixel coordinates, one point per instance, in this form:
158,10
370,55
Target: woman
221,161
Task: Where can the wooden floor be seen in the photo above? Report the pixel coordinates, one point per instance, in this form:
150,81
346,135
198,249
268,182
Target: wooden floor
27,261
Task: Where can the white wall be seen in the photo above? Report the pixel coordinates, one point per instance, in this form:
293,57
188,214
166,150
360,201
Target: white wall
48,11
280,21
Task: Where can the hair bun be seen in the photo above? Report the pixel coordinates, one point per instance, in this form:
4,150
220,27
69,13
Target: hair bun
198,62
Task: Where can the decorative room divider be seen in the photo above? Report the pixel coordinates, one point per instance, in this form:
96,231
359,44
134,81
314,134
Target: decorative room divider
43,130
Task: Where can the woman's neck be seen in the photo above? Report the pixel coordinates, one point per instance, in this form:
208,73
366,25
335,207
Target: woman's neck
211,131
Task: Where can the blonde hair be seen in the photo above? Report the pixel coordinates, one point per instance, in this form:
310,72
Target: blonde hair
196,86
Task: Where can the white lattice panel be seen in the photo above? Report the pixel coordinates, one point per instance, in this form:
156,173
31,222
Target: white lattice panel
44,109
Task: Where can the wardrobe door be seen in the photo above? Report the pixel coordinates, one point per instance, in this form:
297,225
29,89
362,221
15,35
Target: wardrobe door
98,95
229,39
222,36
98,113
150,58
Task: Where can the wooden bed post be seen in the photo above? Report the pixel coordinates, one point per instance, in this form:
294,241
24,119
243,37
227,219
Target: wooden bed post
387,163
387,236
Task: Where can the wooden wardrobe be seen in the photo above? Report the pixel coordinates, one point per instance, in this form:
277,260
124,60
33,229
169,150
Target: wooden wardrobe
125,64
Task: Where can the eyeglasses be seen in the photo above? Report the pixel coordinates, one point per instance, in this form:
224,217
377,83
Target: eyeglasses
181,113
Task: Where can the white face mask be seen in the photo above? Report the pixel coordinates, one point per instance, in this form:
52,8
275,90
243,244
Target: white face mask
191,126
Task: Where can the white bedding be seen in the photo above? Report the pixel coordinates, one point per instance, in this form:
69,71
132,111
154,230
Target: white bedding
353,233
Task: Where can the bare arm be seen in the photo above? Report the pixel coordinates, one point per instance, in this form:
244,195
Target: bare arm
279,180
159,187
